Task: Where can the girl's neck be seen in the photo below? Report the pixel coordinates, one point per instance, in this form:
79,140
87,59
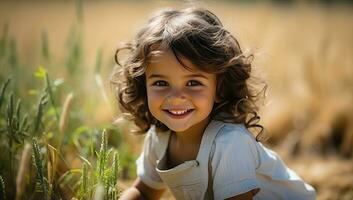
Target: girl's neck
193,135
185,145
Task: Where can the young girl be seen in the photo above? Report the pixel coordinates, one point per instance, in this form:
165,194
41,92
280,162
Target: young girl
186,82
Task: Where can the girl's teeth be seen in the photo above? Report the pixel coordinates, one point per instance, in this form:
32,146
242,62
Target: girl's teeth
178,112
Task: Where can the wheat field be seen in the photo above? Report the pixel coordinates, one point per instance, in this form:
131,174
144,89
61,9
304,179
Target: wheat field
302,50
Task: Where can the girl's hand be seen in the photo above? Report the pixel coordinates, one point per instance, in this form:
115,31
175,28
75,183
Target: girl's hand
141,191
245,196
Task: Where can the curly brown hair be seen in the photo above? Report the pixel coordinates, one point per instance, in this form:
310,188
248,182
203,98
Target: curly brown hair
199,36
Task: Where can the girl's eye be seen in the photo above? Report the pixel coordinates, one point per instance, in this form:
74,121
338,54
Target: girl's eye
193,83
160,83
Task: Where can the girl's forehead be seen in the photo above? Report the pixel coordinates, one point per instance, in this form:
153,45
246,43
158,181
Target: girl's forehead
166,60
167,65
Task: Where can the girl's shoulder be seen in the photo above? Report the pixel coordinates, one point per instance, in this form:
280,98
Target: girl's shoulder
235,142
231,132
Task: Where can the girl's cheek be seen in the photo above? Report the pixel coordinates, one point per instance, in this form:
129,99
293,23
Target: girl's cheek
155,95
199,94
202,98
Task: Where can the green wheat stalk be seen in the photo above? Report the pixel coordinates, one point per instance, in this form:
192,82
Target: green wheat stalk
115,168
108,175
84,178
40,110
24,127
3,89
51,96
40,169
112,192
18,135
84,183
105,174
9,115
15,129
2,188
10,134
102,156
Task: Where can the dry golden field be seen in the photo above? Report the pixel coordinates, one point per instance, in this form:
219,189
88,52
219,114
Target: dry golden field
303,51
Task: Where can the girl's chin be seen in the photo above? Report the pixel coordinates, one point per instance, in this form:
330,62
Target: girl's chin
178,127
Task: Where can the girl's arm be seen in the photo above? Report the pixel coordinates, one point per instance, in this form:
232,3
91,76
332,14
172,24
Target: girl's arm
141,191
245,196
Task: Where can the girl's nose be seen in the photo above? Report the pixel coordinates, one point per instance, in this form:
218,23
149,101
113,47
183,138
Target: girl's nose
176,97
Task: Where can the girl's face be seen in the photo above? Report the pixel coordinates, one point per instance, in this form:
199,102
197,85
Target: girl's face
180,99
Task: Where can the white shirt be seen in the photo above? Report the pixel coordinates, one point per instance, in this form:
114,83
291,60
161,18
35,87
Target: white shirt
239,164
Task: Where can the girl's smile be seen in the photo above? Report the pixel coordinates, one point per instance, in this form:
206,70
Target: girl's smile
180,98
178,113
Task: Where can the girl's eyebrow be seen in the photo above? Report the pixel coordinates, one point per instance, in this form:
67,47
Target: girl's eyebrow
187,76
156,76
196,76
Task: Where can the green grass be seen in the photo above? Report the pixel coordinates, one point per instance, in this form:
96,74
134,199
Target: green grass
31,108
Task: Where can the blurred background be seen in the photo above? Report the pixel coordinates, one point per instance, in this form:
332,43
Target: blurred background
57,56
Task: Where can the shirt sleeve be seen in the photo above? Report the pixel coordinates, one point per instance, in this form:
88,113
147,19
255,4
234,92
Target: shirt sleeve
235,162
146,165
